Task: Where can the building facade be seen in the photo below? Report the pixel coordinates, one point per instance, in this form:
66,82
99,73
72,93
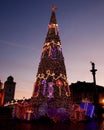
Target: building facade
1,94
85,91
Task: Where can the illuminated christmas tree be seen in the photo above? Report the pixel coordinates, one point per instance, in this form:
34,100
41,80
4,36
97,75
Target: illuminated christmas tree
51,86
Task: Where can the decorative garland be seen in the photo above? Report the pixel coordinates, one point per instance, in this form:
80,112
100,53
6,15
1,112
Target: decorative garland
42,80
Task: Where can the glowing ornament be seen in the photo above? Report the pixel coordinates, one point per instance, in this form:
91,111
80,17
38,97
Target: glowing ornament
38,76
53,74
36,94
60,74
50,26
56,30
38,83
44,87
37,87
49,51
60,49
67,90
53,56
42,75
48,72
59,84
58,43
50,90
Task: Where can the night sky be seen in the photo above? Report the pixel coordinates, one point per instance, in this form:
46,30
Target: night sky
23,28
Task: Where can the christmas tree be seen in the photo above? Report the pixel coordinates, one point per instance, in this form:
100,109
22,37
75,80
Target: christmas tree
51,88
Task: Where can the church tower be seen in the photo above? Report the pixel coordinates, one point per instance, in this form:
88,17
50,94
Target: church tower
9,89
51,85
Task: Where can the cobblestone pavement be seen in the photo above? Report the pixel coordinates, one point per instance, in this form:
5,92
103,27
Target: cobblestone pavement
8,123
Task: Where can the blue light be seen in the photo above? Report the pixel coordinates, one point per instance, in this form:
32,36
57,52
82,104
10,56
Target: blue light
89,108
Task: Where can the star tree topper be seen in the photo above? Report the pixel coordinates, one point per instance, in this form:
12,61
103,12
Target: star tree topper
53,8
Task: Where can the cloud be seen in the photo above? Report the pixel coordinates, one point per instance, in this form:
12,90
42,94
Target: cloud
15,44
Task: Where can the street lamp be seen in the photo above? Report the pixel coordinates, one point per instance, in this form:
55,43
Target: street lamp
103,101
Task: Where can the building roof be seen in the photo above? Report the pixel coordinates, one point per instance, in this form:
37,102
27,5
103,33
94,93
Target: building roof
85,86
